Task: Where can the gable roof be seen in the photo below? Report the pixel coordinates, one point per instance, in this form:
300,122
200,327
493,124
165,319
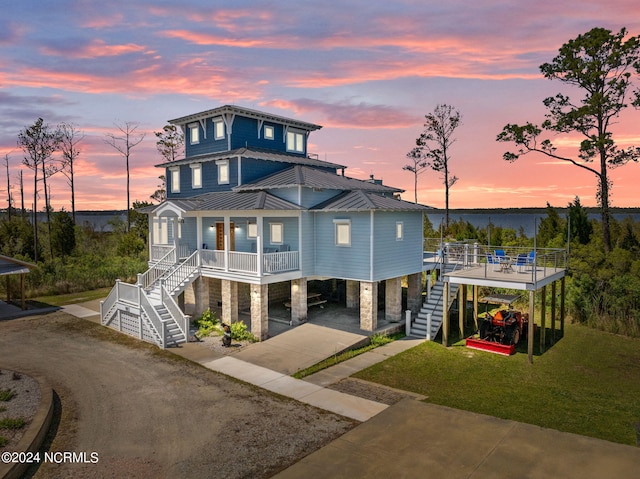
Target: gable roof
359,200
254,153
231,200
246,112
299,175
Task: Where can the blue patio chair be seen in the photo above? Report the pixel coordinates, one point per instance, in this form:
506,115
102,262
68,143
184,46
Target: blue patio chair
494,261
531,259
521,262
499,253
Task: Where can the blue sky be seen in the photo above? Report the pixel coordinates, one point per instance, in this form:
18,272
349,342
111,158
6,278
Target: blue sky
367,71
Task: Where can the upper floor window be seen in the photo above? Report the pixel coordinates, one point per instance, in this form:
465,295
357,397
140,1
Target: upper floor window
196,175
223,172
175,179
218,129
343,232
277,233
399,231
194,133
268,132
295,141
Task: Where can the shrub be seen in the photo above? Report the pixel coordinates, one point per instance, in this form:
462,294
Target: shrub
239,332
3,441
207,323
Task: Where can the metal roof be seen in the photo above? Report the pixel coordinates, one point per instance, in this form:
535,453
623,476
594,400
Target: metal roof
359,200
10,265
246,112
231,200
254,153
299,175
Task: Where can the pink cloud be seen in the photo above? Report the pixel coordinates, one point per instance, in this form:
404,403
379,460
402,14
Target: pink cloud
94,49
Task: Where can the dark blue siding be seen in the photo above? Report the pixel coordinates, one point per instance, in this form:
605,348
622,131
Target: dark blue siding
255,169
209,179
206,145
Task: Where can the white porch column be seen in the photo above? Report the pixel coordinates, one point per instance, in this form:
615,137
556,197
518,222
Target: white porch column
226,242
259,243
199,232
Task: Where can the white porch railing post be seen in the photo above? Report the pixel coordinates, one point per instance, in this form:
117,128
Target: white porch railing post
429,287
407,322
139,281
428,326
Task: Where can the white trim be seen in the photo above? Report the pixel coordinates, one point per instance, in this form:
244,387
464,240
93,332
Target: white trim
269,128
271,233
175,185
194,167
218,121
399,230
194,127
219,164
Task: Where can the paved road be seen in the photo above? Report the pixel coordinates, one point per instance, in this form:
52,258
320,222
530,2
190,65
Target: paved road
148,413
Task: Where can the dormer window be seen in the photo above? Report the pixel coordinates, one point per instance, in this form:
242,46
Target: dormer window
268,132
295,141
194,133
218,129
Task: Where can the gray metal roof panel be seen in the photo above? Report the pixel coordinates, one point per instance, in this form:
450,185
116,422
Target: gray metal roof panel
300,175
231,200
365,201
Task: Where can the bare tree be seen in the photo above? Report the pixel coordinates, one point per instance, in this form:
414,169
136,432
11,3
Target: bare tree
418,165
9,196
22,209
124,141
433,146
39,143
70,137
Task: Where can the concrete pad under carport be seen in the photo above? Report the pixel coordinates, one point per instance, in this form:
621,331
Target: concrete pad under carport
299,348
414,439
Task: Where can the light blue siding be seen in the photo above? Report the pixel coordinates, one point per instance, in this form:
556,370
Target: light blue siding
349,262
392,257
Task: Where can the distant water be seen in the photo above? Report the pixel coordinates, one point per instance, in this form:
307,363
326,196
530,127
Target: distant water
510,220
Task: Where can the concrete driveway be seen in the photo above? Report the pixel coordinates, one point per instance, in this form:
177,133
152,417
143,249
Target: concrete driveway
149,413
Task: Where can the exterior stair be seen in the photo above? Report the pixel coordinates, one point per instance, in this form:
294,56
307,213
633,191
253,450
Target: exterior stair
434,306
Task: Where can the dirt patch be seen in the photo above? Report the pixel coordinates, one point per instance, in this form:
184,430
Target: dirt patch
374,392
149,413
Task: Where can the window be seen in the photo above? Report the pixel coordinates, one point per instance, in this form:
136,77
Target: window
223,172
252,230
196,175
268,132
277,230
218,129
160,231
175,179
399,232
194,133
295,141
343,232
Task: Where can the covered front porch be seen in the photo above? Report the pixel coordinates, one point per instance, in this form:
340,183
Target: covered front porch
231,244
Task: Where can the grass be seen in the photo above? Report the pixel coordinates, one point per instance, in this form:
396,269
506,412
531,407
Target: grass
12,423
73,298
6,394
376,340
588,383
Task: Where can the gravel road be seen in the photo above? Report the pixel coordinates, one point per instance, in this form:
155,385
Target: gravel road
148,413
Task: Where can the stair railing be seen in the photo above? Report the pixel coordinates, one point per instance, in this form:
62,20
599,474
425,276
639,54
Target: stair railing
176,313
152,314
159,268
173,280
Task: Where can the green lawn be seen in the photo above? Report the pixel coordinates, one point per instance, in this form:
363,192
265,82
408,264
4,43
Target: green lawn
588,383
73,298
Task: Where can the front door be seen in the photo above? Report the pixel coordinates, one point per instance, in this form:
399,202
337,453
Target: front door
220,237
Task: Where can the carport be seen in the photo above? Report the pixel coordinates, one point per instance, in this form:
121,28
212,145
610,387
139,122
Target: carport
11,266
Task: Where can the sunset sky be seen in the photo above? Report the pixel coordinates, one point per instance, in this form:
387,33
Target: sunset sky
367,70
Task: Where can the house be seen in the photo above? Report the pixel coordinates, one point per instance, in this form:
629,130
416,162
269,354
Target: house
252,217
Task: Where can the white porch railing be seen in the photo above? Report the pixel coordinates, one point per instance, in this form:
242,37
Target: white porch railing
158,251
172,281
161,266
248,262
